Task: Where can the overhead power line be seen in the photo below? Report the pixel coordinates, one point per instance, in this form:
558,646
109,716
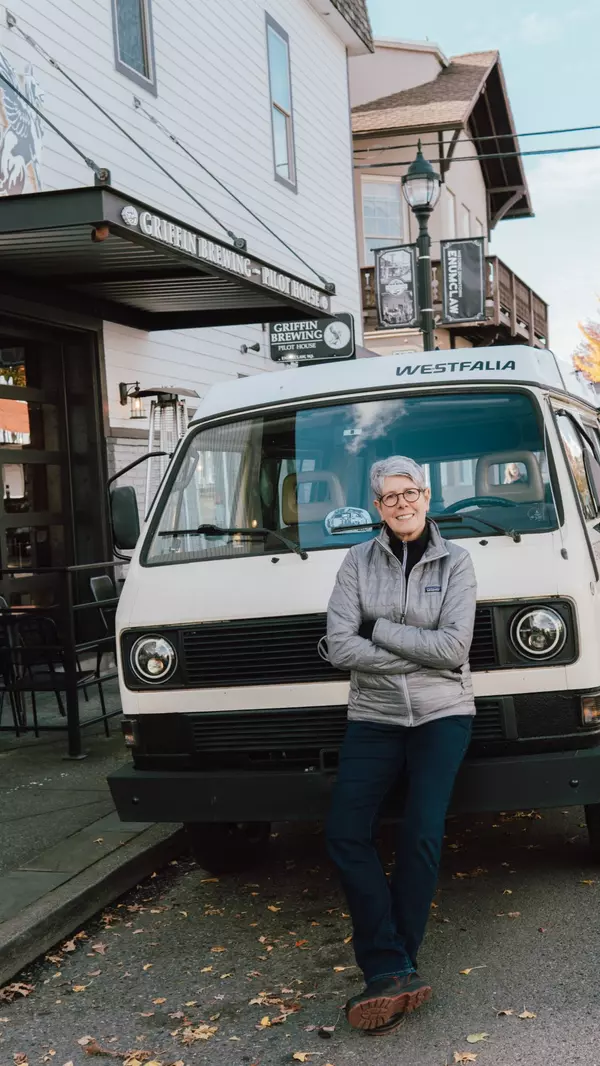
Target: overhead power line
487,137
483,158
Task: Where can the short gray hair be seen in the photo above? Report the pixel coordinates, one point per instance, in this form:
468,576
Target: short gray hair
395,466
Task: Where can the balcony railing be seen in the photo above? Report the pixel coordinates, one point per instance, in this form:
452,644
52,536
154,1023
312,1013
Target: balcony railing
511,306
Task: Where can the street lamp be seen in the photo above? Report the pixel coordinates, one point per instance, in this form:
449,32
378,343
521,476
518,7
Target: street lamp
421,188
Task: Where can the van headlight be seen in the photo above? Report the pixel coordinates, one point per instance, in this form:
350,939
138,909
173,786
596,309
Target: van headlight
153,659
538,632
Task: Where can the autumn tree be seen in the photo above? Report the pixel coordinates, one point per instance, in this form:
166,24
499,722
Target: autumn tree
586,356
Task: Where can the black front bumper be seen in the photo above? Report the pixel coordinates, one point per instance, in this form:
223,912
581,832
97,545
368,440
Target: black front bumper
553,779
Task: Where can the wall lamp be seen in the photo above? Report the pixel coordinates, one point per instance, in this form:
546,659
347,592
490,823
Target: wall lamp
130,390
244,348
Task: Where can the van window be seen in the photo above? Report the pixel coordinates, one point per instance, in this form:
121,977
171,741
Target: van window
576,448
483,455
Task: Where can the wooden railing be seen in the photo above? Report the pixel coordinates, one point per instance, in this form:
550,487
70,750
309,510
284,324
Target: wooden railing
511,305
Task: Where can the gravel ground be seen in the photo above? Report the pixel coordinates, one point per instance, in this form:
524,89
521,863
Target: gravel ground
189,969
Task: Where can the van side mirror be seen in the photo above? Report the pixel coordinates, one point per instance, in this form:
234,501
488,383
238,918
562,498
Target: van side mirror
125,517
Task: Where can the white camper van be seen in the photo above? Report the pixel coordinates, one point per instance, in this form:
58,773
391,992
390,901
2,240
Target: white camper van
233,716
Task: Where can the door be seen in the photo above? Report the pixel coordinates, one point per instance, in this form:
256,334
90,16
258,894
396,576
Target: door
51,513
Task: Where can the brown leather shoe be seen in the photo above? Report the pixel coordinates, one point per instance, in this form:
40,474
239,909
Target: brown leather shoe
383,1000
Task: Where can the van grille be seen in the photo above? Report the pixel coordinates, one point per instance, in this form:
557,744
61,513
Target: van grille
276,651
303,728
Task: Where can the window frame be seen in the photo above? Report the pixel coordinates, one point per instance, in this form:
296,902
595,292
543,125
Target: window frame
148,83
450,213
289,183
373,179
570,417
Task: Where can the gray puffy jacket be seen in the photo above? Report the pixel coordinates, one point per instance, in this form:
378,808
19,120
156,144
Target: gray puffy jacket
415,668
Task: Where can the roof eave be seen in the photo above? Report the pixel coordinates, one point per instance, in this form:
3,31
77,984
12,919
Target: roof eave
355,43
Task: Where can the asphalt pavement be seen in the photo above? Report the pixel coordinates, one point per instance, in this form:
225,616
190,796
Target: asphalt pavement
255,969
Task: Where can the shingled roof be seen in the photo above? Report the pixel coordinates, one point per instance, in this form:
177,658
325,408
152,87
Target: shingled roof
356,15
444,103
469,94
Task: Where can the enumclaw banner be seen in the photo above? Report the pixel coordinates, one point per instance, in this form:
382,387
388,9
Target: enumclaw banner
396,286
463,280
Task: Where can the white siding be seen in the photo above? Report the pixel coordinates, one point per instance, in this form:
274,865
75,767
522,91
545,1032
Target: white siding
213,94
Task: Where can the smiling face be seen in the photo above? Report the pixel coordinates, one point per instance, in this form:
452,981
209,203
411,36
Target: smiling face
406,519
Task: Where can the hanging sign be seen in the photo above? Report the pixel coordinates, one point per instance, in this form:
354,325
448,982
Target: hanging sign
314,340
396,287
463,280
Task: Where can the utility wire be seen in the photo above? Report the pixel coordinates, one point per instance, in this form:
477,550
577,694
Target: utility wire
239,242
89,162
483,158
487,137
140,107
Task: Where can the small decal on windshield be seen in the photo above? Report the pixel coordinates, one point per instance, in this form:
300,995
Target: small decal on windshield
356,517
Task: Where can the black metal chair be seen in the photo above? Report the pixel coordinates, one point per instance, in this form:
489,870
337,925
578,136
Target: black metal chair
7,669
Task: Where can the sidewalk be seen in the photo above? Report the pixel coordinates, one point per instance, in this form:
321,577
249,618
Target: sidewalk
64,853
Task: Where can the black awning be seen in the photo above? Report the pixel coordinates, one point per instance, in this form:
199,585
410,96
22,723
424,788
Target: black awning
103,253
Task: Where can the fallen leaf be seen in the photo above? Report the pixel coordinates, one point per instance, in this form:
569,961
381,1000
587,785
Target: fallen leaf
79,988
209,881
217,950
99,840
92,973
514,914
161,999
265,1023
83,1040
464,1056
200,1032
17,988
587,882
225,975
507,892
527,1014
274,909
348,939
20,1058
339,969
501,1013
147,1014
467,971
301,943
474,1038
206,969
302,1056
147,966
191,1002
70,1063
69,945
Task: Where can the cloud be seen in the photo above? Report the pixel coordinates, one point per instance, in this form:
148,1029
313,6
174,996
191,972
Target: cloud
538,29
556,253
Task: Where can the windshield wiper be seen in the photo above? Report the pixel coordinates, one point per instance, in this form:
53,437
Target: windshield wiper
219,531
512,533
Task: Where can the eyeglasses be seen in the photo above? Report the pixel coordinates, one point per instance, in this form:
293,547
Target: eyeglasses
391,499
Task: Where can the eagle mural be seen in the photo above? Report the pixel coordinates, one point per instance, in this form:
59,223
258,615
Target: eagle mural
21,132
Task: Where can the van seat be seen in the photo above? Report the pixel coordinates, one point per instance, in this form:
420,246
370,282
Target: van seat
528,491
294,511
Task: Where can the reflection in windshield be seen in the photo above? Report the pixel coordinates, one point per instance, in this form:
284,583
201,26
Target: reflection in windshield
298,473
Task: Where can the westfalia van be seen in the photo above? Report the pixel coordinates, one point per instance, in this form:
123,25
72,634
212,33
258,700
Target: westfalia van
233,714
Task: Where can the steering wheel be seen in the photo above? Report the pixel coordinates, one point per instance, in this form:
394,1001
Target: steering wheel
478,501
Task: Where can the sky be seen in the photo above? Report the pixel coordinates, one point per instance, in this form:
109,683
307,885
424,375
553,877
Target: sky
549,54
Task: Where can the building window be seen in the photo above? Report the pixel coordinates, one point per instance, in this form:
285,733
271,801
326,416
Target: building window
280,86
134,46
465,221
382,216
450,220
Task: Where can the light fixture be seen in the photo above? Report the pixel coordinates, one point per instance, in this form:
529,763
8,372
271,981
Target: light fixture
130,390
421,184
244,348
421,188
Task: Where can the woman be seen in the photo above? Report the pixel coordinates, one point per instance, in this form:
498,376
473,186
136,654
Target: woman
401,620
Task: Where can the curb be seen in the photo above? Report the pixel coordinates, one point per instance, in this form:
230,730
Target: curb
50,919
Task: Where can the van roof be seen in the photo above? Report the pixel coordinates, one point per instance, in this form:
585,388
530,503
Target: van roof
512,364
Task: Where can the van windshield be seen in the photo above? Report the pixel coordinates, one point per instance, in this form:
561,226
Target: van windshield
305,473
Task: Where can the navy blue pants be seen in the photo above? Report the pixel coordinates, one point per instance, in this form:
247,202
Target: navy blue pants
389,916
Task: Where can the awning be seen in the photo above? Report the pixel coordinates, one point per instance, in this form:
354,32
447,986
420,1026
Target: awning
100,252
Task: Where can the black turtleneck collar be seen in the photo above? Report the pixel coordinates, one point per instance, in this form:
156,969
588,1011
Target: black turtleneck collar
412,549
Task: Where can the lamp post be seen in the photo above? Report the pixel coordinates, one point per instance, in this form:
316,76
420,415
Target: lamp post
421,188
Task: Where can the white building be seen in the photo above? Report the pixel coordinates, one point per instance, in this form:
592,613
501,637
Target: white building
133,276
